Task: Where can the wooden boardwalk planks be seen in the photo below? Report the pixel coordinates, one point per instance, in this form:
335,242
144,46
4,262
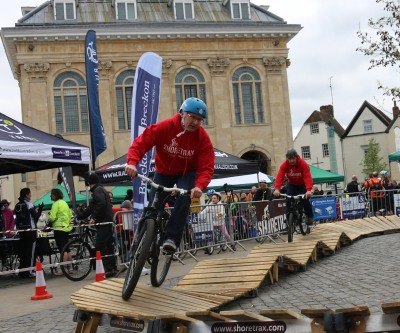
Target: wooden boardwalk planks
215,282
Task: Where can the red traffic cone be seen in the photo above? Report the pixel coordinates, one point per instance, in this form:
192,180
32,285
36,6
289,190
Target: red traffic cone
100,275
40,292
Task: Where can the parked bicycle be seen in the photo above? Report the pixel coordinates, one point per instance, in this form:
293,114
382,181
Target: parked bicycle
147,243
220,241
296,220
83,252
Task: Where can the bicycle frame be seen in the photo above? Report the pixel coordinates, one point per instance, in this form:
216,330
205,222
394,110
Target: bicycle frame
147,243
295,215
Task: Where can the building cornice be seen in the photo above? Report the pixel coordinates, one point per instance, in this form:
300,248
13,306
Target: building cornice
142,31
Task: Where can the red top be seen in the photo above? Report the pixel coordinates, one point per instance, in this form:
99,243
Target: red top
9,222
177,152
298,175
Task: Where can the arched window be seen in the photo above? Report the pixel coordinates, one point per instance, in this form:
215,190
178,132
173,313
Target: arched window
70,103
189,83
124,89
247,96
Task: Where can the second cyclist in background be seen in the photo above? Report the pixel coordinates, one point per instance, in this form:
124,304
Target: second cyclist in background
184,156
299,180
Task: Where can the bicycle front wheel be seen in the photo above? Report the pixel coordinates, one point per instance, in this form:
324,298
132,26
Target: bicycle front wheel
290,227
82,259
160,263
137,257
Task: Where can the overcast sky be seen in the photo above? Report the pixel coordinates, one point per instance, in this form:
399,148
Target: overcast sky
323,53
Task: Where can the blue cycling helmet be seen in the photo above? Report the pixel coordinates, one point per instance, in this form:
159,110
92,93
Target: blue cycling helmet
194,105
384,173
210,192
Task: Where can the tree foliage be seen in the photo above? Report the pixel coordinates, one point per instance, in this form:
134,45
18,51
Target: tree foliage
372,161
384,47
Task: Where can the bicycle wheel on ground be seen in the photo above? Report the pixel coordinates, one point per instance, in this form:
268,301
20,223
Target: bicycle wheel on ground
137,257
82,257
221,240
160,263
290,227
209,250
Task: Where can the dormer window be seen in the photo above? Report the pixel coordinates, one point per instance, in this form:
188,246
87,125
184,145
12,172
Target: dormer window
126,10
184,10
64,10
240,9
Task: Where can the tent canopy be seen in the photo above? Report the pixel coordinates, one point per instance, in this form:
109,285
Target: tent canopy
321,176
225,165
394,157
239,182
119,193
25,149
46,199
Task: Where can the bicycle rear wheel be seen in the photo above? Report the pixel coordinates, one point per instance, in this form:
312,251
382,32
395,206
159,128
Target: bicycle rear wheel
82,259
137,257
160,263
290,227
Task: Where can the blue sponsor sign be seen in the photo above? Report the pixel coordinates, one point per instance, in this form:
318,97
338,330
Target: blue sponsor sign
324,208
353,207
202,231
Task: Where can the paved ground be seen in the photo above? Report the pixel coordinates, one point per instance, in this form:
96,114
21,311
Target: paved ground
364,273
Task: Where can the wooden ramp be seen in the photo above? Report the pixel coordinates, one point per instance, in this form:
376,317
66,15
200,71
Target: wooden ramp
212,283
229,277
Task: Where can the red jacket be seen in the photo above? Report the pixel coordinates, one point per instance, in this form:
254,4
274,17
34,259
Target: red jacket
177,152
297,175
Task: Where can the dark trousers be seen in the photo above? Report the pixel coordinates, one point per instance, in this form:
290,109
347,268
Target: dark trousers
105,244
27,244
296,190
177,222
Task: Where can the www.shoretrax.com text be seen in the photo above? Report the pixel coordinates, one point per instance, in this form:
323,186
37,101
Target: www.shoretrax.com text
245,327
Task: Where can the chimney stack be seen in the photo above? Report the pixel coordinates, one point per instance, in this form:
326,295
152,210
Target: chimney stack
395,110
327,110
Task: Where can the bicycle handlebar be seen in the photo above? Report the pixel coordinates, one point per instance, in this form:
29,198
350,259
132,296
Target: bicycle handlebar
165,189
298,196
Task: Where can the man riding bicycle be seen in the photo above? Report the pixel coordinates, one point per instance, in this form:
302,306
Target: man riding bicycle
299,180
184,156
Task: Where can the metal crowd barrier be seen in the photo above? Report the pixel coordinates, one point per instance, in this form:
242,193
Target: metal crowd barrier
224,226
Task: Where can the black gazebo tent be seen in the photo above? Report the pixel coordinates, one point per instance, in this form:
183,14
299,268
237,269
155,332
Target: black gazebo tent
225,165
25,149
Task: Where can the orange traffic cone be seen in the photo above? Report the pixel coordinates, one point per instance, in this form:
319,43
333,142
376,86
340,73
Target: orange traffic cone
41,292
100,275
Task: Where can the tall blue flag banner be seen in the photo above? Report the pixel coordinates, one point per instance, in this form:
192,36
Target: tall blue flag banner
66,175
97,136
145,102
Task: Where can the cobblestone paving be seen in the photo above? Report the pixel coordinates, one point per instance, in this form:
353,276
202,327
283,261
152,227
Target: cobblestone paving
364,273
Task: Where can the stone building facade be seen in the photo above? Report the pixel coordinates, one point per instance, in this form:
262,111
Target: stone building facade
231,53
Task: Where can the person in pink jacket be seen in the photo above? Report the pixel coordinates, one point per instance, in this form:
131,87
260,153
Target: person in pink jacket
184,156
299,180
